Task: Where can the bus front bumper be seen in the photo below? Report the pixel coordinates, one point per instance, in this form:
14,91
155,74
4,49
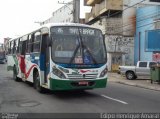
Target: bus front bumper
76,85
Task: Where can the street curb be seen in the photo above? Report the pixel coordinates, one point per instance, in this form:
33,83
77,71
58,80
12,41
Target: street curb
138,85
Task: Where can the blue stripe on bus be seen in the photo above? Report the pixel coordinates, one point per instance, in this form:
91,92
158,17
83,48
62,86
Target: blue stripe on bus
81,66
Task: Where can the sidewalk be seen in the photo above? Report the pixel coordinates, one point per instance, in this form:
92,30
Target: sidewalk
114,77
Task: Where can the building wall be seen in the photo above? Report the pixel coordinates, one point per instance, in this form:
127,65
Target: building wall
64,14
146,17
6,44
1,47
123,45
120,49
129,22
129,15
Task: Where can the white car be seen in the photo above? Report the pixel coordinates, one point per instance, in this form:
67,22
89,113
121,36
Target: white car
141,69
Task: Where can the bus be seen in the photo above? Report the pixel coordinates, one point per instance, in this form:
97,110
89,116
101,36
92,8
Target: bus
59,57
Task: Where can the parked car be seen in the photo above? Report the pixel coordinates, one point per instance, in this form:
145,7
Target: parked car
141,69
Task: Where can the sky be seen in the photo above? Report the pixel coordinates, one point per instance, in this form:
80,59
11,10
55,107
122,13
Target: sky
18,17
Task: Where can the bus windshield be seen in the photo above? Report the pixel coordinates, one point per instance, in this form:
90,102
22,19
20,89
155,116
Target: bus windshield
77,45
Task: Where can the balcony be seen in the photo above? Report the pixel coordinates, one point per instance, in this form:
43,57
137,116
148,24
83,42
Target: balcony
110,5
92,2
104,8
90,16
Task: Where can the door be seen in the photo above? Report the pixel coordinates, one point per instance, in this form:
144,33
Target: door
22,57
45,56
142,70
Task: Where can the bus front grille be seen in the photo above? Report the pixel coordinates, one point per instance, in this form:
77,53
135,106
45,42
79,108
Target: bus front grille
82,76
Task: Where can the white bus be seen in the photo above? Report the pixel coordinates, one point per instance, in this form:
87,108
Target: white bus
65,56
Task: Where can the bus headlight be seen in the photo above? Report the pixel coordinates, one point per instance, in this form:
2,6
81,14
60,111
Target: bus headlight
64,70
58,73
104,72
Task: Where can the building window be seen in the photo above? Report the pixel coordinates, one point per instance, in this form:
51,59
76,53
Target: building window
152,40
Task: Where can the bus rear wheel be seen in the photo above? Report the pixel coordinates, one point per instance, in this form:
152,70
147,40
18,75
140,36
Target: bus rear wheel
37,85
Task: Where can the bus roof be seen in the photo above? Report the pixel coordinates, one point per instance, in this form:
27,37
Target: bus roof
49,25
65,24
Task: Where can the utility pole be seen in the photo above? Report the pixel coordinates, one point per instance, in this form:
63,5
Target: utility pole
76,7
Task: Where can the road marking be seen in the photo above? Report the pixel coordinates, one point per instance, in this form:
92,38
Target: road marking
114,99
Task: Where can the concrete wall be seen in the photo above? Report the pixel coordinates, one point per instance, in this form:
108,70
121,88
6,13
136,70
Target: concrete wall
124,45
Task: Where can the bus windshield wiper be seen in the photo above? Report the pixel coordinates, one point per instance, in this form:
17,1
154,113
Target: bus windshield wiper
74,54
85,47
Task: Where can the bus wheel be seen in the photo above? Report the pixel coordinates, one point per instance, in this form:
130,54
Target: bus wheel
37,85
15,74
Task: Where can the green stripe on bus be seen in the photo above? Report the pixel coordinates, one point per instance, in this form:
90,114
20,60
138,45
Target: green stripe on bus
16,62
67,84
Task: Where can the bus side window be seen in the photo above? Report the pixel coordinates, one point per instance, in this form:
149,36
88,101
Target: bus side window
36,42
12,47
27,42
18,41
30,45
9,48
20,46
16,46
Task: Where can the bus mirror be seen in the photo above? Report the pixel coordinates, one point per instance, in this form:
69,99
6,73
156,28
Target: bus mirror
44,30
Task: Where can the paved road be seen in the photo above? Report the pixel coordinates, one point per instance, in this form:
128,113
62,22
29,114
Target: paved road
21,97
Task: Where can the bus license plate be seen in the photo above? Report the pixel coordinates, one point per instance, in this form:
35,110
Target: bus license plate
83,83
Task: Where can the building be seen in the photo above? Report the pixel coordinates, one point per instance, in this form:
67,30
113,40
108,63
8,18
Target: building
147,37
1,47
108,16
117,20
68,13
6,44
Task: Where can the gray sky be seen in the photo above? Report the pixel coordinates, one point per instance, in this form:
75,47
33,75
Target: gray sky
18,16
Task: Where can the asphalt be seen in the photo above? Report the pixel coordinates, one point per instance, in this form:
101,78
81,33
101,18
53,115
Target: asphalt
143,82
115,98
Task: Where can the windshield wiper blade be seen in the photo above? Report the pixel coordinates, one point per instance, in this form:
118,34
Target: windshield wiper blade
74,54
84,46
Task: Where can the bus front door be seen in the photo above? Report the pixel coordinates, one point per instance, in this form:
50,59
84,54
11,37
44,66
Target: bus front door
45,54
22,58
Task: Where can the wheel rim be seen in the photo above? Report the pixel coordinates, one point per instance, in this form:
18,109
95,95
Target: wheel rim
130,75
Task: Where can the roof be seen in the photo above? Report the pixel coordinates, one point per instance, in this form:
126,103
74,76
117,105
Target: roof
65,24
49,25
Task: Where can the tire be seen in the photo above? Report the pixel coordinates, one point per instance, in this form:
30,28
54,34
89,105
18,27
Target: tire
37,83
130,75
